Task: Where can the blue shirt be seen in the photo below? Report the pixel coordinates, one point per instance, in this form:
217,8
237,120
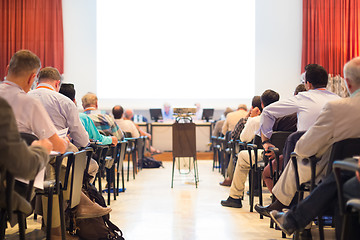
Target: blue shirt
92,130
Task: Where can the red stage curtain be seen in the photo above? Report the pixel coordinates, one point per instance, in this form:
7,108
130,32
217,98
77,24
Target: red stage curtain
36,25
331,34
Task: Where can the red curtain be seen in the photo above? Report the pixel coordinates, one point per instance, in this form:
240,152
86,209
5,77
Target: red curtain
331,34
36,25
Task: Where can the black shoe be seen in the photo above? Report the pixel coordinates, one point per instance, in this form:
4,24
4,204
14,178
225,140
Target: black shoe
232,202
281,220
265,211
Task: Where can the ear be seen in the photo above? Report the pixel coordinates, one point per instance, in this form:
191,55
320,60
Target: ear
31,78
7,69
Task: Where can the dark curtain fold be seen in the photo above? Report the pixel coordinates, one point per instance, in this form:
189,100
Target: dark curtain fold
331,34
36,25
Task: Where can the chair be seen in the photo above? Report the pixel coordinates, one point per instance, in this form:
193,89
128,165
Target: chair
120,163
132,154
216,149
340,150
7,184
225,152
352,206
99,156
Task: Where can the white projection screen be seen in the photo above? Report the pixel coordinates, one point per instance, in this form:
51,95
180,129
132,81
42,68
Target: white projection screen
177,51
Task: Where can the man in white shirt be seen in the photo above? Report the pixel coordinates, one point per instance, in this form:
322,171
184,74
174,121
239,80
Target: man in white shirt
308,105
61,109
233,118
31,116
125,124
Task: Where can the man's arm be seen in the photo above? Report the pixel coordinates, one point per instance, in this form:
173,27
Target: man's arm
77,131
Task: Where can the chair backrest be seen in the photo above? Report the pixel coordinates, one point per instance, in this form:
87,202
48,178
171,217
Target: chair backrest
257,141
278,139
77,174
127,134
28,137
346,148
122,153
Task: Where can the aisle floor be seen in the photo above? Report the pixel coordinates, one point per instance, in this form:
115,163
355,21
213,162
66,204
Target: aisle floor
150,209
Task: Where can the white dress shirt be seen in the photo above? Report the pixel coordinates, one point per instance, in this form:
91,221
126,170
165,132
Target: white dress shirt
251,128
307,105
31,116
63,112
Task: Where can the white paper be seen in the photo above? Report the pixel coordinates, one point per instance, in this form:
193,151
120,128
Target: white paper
63,132
38,181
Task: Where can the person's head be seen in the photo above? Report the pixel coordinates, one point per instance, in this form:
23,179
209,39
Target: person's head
268,97
117,111
256,102
23,68
242,107
89,100
50,75
128,114
227,110
167,107
68,90
315,77
352,74
300,88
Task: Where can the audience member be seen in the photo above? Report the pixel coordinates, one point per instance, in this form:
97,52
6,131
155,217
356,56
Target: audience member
334,124
62,110
125,124
233,118
219,124
30,114
68,90
235,135
248,133
199,112
331,125
103,122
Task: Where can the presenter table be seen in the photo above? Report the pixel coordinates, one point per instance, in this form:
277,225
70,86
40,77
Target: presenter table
162,136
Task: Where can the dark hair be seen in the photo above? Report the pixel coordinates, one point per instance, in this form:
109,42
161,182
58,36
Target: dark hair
256,102
269,96
311,65
300,88
23,62
317,76
117,111
49,73
68,90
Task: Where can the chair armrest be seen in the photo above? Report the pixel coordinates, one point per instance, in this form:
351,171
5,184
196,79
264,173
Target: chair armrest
313,161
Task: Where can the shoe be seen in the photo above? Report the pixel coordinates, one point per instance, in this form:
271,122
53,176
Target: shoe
226,182
265,211
232,202
280,219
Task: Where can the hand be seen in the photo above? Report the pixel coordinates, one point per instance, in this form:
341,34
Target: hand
114,140
267,145
270,155
255,112
148,135
45,143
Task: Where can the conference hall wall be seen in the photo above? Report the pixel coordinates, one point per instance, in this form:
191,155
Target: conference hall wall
277,56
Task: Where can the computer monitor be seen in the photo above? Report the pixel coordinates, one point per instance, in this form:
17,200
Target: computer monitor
155,114
207,114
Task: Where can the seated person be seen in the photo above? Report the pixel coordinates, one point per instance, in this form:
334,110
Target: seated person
103,122
167,113
233,118
125,124
235,135
219,124
333,124
16,157
247,135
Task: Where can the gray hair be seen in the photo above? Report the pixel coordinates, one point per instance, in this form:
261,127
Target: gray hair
352,70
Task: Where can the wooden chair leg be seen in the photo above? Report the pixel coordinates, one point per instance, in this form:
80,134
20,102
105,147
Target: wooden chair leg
21,222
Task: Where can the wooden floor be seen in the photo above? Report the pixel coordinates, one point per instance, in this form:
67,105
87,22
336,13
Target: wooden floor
150,209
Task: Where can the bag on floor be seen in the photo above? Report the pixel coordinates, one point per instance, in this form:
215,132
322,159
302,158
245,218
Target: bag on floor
149,162
100,228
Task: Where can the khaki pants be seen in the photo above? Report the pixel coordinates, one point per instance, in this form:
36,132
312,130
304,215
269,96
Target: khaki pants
241,172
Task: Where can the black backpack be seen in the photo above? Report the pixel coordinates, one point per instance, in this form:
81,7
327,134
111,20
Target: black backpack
149,162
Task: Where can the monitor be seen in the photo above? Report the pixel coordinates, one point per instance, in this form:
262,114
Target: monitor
207,114
156,114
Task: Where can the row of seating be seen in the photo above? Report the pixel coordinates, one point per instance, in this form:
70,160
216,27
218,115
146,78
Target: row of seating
110,160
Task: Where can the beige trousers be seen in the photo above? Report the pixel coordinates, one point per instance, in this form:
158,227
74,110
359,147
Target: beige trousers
241,172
